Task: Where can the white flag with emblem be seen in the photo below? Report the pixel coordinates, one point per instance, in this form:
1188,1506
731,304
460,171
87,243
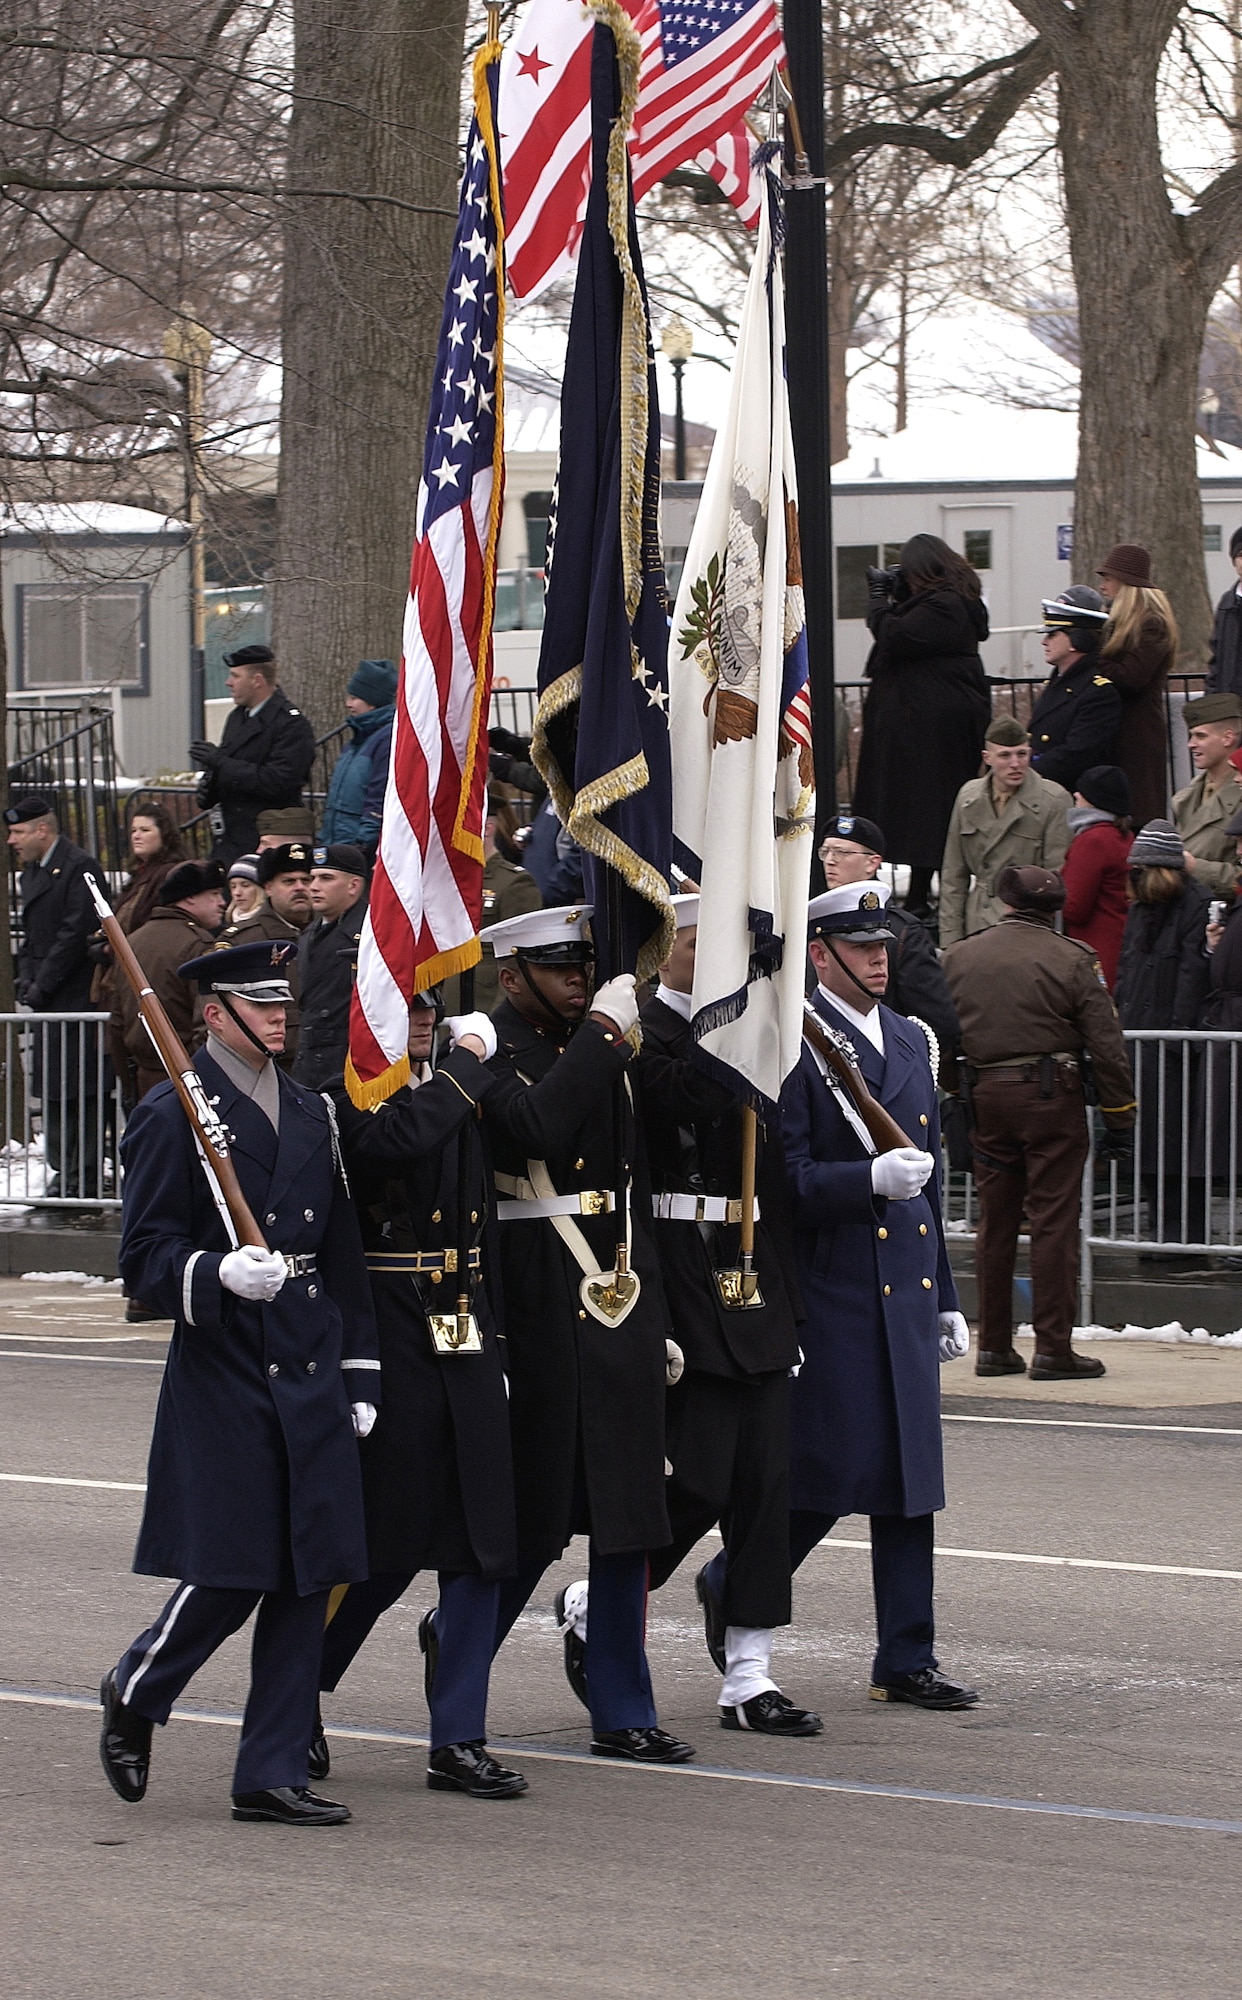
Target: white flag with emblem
743,785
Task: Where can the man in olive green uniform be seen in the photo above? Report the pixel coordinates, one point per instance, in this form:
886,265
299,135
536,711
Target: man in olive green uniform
1030,1001
1203,810
284,875
1009,818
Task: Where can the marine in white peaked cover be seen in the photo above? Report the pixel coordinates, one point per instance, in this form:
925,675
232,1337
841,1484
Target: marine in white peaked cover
743,786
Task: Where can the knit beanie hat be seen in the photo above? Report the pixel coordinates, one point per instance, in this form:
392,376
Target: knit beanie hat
1158,845
374,681
1106,786
244,869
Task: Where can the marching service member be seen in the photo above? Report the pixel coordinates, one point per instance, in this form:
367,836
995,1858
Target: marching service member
437,1469
254,1497
882,1308
587,1345
728,1412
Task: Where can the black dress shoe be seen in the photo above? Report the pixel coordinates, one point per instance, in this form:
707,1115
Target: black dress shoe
289,1805
429,1647
575,1652
926,1689
770,1714
999,1361
1065,1368
713,1618
124,1744
470,1768
136,1313
318,1757
641,1746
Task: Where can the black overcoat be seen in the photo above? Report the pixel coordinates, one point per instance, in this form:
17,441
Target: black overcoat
327,973
916,981
54,970
1075,723
1162,982
923,719
437,1469
1224,666
586,1400
253,1480
265,761
874,1276
693,1130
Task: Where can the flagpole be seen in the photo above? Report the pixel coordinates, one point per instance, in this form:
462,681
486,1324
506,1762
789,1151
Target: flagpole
806,291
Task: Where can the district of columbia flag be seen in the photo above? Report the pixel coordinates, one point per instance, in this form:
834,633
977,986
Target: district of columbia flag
743,785
703,64
427,890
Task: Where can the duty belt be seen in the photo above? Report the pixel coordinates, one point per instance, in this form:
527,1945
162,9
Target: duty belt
527,1206
433,1262
697,1208
1020,1064
299,1267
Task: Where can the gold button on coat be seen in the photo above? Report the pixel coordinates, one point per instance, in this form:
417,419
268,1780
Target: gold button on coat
882,1234
922,1229
887,1290
922,1118
927,1284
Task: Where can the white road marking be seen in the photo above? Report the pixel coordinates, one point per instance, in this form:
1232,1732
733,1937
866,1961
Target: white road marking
1094,1424
87,1339
88,1360
850,1788
48,1479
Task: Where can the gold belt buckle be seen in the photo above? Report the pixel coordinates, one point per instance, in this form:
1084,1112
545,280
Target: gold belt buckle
593,1202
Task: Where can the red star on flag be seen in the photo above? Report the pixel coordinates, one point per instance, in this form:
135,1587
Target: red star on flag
531,65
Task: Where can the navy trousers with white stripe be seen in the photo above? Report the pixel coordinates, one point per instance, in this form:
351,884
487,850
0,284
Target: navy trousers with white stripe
284,1672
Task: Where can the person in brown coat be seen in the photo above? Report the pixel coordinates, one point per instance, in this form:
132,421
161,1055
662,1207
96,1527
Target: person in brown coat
188,912
1030,1002
1137,651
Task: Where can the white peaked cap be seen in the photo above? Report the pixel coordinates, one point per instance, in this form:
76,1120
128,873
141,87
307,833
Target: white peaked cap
537,928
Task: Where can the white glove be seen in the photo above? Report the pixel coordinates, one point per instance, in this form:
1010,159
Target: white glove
617,998
253,1273
675,1363
478,1025
363,1415
900,1175
954,1336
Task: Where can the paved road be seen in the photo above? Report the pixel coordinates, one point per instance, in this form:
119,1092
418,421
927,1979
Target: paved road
898,1853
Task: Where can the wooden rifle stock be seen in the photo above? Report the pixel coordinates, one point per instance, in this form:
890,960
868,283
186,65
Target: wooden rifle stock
886,1133
185,1080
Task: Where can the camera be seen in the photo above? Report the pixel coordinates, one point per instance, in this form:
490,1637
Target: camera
890,583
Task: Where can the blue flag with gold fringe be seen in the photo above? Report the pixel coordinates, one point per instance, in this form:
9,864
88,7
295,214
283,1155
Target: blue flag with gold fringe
601,730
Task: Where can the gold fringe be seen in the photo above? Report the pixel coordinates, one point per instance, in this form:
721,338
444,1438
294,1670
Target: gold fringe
586,827
555,699
635,337
464,840
365,1094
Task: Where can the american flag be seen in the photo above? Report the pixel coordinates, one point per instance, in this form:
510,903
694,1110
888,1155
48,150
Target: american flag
427,891
704,62
730,162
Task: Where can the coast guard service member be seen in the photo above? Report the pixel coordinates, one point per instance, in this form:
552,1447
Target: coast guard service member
882,1308
254,1496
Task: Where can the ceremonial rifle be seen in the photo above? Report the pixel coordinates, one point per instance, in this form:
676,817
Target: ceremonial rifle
886,1134
205,1122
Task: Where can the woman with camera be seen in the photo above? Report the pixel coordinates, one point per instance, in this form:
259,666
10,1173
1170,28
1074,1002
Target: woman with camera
927,706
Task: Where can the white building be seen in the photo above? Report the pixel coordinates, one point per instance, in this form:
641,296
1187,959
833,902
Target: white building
997,485
96,601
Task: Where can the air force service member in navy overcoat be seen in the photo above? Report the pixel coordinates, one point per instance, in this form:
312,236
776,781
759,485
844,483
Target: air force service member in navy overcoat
882,1308
254,1494
437,1470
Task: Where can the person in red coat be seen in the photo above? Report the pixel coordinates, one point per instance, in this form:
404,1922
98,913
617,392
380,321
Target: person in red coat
1094,869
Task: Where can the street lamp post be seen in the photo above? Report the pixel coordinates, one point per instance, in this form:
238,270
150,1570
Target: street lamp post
677,345
187,350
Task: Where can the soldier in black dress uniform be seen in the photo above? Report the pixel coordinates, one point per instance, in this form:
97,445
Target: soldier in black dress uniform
728,1411
587,1390
437,1469
1075,720
254,1497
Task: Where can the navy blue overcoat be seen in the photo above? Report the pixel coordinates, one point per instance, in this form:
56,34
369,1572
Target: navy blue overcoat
253,1480
874,1276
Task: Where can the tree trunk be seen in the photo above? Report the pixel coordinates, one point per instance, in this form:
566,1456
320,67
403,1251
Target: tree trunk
377,93
1143,306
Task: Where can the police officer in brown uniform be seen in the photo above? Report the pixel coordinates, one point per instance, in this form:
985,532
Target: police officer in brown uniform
1030,1002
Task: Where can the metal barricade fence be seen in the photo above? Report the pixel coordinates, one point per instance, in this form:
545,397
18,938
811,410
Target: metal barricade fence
62,1114
1179,1195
